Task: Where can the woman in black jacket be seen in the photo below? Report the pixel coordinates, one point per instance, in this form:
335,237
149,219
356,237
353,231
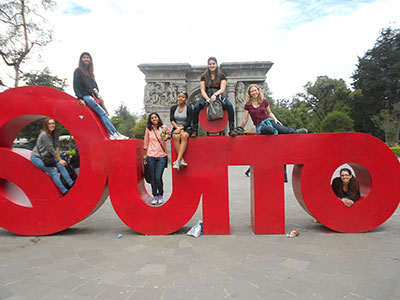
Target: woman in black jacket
181,119
346,187
86,91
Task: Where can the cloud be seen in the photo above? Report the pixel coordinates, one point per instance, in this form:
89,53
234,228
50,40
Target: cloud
75,9
300,11
304,39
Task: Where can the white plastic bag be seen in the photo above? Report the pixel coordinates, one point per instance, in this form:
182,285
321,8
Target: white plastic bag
196,229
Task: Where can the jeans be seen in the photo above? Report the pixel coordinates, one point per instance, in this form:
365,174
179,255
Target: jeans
38,162
268,126
226,105
156,166
99,111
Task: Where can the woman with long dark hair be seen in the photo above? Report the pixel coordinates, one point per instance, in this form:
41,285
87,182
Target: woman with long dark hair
346,187
48,145
86,91
212,87
155,153
181,119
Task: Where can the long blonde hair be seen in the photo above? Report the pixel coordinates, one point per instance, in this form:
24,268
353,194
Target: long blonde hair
260,97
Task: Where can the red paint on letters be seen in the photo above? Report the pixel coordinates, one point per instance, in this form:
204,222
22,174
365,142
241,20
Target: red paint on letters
315,156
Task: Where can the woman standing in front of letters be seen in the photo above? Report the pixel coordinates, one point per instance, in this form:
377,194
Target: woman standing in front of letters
155,153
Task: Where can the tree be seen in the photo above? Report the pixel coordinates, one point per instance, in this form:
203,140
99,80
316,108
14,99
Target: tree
389,121
23,27
44,78
337,121
293,114
140,129
324,96
377,78
124,121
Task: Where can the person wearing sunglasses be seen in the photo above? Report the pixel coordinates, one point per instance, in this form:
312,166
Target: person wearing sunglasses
346,187
181,120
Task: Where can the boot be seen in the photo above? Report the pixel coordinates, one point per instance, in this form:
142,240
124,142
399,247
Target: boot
232,131
195,128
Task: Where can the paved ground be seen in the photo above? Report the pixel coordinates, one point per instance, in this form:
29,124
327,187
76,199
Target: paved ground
88,261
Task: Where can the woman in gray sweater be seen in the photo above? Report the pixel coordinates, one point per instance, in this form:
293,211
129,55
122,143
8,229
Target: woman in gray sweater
48,145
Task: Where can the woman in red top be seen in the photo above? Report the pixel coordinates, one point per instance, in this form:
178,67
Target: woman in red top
155,152
262,116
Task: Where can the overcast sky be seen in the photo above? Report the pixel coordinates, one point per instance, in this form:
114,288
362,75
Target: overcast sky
304,39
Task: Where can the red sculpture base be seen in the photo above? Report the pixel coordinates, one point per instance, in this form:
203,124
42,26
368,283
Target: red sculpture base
315,156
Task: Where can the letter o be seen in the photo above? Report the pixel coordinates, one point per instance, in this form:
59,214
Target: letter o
50,212
379,193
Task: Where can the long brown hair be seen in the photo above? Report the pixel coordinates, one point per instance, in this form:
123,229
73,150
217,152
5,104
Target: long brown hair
207,73
46,127
353,185
89,69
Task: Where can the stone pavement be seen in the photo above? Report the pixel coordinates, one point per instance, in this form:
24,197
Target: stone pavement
88,261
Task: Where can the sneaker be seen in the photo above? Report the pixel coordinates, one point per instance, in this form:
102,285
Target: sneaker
301,130
121,137
154,201
232,132
176,165
240,130
113,136
183,163
160,199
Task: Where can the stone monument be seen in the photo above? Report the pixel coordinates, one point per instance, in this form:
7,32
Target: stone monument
163,81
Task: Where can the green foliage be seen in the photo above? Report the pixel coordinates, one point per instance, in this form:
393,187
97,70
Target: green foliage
124,121
337,121
139,129
71,152
378,79
389,121
294,114
324,96
396,150
44,78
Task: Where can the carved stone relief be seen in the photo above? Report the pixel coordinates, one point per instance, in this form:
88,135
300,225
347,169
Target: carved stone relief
160,93
240,92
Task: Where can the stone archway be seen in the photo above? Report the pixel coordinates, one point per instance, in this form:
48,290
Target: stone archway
163,81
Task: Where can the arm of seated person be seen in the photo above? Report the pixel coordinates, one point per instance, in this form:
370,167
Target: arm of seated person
347,202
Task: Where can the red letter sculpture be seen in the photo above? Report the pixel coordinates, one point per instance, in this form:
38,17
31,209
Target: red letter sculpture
30,204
